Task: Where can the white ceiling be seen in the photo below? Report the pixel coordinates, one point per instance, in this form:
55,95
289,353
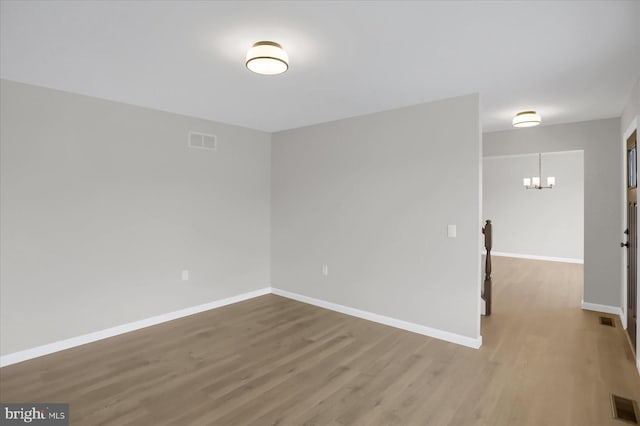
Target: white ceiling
571,61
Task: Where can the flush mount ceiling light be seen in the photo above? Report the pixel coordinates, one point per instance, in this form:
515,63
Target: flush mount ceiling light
526,119
267,57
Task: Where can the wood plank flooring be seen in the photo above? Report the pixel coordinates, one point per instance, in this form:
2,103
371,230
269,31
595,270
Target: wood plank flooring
271,361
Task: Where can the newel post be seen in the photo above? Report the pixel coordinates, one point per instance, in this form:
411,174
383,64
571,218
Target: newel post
488,243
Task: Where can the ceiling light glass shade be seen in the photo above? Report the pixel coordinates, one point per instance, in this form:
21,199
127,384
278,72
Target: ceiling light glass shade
526,119
551,181
267,57
526,181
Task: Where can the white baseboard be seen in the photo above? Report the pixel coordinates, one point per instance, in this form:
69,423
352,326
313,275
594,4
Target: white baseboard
607,309
370,316
39,351
536,257
61,345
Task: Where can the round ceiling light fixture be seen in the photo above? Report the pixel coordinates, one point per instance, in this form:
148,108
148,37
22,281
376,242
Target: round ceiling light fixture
526,119
268,58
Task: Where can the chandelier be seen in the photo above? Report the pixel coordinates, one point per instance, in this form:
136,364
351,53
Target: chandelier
534,182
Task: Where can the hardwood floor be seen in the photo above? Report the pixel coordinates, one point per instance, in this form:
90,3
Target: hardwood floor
270,360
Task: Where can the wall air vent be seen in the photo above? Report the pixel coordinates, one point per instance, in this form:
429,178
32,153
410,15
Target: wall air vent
202,141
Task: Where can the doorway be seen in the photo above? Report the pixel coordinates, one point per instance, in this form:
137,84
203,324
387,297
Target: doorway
632,237
545,224
536,224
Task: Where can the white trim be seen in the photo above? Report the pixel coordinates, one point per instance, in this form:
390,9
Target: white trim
27,354
633,125
536,257
370,316
479,232
530,154
607,309
49,348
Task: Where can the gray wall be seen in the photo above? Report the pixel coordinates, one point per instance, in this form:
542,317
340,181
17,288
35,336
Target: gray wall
103,204
600,141
371,198
547,222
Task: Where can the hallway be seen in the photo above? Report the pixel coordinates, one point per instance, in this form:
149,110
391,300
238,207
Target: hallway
559,364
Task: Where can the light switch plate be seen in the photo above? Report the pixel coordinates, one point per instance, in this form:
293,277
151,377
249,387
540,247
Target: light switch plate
451,231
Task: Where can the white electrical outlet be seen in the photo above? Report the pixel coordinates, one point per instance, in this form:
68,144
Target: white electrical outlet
185,275
325,270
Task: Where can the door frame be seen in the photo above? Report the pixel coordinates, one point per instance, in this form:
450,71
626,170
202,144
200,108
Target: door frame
633,126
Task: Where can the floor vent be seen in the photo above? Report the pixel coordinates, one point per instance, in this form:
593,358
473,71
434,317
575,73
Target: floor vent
607,321
625,409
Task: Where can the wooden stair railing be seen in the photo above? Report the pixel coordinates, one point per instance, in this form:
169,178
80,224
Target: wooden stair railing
486,290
